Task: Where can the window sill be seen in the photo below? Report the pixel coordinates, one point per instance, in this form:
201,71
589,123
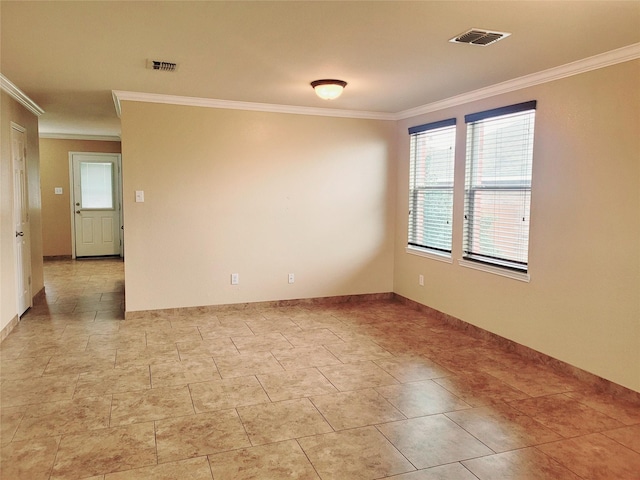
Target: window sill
503,272
421,252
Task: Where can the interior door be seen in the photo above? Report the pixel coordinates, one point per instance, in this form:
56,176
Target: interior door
96,204
21,218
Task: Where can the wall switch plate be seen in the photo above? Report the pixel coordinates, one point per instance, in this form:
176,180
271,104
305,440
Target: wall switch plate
139,196
292,278
421,280
57,190
235,279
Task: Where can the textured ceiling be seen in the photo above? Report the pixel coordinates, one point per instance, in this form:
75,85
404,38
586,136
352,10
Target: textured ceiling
69,56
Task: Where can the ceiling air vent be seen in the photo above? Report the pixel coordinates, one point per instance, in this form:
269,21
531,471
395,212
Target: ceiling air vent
477,36
164,66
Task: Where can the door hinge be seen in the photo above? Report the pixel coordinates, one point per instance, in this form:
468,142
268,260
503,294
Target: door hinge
29,280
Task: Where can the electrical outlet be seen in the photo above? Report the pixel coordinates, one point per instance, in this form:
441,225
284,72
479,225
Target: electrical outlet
235,279
421,280
292,278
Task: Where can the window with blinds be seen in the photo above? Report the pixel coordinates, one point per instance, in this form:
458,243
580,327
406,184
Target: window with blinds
431,185
498,186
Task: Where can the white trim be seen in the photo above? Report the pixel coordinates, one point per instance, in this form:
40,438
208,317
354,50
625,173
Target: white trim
421,252
18,95
503,272
119,96
620,55
79,136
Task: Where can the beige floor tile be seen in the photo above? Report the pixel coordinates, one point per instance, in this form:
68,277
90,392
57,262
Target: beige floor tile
305,357
34,390
479,389
65,417
172,335
565,416
274,422
410,368
10,418
431,441
197,369
241,365
20,368
152,355
527,463
502,428
80,363
349,352
452,471
358,408
197,435
295,384
74,351
264,326
311,338
191,469
261,343
267,462
114,380
117,340
227,393
421,398
627,436
151,404
211,347
624,411
28,460
357,454
533,379
225,331
104,451
595,457
356,376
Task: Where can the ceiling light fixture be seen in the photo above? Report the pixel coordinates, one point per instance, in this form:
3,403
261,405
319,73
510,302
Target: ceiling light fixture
328,89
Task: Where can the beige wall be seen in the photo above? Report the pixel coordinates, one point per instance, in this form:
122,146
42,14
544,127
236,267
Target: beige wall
259,194
12,111
582,305
54,168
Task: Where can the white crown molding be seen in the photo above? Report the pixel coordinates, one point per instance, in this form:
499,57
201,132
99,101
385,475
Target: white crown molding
620,55
79,136
119,96
18,95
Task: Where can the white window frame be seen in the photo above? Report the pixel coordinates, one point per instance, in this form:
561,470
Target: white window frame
474,253
418,188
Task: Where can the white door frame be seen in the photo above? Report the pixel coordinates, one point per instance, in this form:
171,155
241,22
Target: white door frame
118,197
23,255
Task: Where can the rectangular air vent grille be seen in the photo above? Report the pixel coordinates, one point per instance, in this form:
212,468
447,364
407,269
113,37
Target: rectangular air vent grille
163,66
477,36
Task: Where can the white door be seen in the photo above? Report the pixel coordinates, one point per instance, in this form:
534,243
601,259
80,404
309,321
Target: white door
96,204
21,217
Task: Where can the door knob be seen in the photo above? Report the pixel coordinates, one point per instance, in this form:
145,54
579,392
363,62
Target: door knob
77,211
77,204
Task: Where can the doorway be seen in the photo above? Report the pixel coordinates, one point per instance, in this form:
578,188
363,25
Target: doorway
96,204
21,217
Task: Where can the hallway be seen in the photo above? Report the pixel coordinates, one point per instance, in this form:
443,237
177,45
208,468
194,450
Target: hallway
315,391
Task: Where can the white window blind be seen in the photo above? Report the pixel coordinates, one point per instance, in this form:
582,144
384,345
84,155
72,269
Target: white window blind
431,185
498,186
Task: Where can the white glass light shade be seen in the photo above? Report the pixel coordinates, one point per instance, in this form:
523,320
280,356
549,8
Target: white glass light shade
328,89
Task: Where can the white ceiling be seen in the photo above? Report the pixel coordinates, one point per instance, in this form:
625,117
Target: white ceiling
69,56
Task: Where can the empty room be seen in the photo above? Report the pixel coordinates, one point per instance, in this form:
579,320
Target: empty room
341,240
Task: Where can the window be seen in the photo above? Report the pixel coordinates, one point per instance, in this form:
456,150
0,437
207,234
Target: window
431,185
498,186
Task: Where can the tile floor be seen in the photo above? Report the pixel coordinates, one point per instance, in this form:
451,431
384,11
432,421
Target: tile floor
355,391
